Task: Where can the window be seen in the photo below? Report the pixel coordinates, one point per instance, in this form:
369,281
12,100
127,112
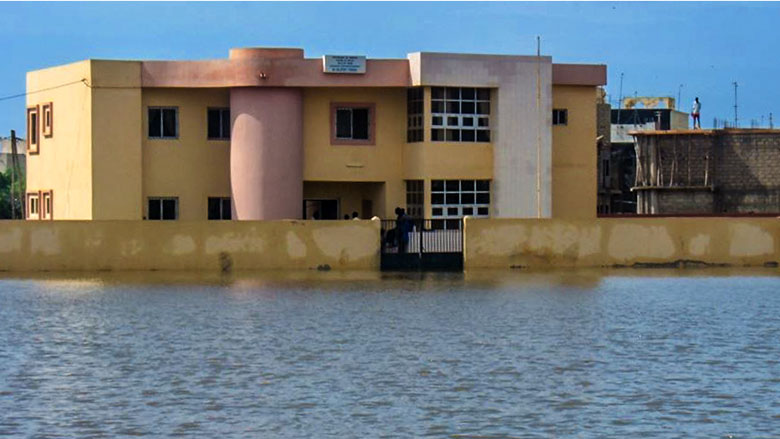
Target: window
47,127
352,124
458,198
414,198
218,123
219,208
605,168
33,206
560,116
414,115
163,208
46,205
460,114
32,130
163,122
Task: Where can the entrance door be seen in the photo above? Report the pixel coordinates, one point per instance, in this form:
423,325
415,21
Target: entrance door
321,209
422,244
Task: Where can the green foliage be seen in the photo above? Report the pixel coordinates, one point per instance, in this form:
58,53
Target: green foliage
5,194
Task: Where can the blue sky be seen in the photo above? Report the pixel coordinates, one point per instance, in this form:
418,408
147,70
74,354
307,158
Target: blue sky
658,46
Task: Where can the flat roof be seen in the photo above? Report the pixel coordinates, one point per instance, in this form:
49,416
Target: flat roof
711,132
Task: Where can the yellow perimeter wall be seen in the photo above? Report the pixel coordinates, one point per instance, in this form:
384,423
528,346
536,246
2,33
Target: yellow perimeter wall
574,153
187,245
504,243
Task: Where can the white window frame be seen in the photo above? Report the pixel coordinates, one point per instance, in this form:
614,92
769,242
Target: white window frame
446,207
162,122
444,120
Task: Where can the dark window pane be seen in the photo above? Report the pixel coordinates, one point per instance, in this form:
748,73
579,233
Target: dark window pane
155,122
483,94
214,121
483,136
564,117
437,107
437,185
344,123
483,107
482,211
453,135
453,107
154,210
437,92
360,123
34,127
468,122
453,199
452,211
453,93
418,107
169,209
467,185
226,124
169,123
227,212
483,185
468,211
483,198
437,135
468,108
452,224
484,122
436,120
467,198
214,208
467,135
437,198
436,211
467,93
452,121
453,185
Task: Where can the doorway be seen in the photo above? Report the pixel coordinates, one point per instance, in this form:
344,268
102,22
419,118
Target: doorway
321,209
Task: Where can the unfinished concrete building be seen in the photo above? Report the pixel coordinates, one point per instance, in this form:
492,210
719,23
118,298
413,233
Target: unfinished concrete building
716,172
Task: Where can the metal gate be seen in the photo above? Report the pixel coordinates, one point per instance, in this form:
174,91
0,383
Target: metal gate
422,244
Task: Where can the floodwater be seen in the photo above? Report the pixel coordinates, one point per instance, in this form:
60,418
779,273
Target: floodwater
585,354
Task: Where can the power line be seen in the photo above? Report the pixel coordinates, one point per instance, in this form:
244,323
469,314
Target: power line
5,98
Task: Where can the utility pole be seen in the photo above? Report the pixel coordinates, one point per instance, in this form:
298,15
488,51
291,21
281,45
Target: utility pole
15,173
620,97
770,121
539,126
679,97
736,119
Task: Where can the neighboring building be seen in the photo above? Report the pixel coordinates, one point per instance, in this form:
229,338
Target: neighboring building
6,153
619,168
729,171
269,134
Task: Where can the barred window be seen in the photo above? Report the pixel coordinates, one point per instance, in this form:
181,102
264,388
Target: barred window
460,114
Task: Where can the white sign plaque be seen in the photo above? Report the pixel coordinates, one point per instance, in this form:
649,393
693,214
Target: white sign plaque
344,64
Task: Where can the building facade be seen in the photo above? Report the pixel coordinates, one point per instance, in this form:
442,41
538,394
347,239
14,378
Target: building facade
716,172
617,167
269,134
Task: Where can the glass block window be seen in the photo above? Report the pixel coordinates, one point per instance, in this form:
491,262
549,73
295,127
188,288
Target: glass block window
458,198
414,114
460,114
415,191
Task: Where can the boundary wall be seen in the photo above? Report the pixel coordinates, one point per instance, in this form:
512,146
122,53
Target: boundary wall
615,242
188,245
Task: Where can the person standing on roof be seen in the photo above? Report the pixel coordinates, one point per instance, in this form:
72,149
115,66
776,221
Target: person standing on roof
695,114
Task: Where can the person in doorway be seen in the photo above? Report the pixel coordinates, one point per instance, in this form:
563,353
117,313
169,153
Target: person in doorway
403,225
695,113
346,216
355,216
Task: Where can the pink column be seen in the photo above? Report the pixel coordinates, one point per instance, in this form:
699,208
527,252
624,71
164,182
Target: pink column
266,153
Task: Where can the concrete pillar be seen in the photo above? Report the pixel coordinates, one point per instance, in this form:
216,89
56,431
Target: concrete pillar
266,153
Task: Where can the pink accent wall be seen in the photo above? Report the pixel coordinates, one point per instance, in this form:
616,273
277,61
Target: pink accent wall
266,153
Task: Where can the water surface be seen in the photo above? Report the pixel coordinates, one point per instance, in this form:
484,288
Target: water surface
605,354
